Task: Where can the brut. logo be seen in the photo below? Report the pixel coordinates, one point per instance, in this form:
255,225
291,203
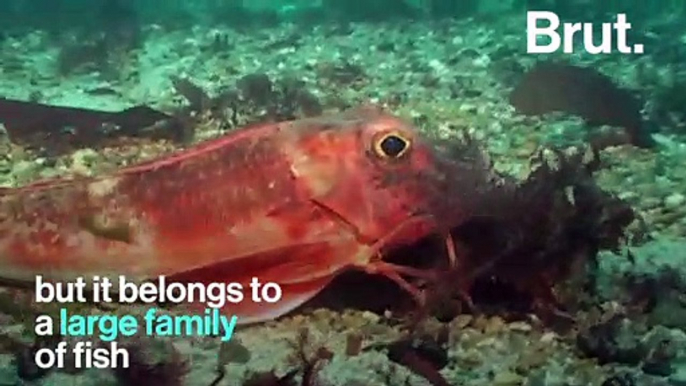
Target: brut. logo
612,35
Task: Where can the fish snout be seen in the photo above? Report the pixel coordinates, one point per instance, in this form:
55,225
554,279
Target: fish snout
450,187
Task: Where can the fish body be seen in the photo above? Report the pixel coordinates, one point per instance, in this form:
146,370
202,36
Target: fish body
60,129
293,203
550,87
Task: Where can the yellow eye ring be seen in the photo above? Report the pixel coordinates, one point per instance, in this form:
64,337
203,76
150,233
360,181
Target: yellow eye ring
392,145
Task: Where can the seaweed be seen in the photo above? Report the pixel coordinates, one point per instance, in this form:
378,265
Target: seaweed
252,98
353,344
523,247
310,356
271,379
529,238
220,45
152,365
341,74
232,351
423,357
621,340
197,98
25,357
422,354
624,379
103,43
658,296
86,56
256,87
670,103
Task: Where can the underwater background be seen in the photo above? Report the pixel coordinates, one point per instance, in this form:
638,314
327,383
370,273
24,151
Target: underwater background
578,251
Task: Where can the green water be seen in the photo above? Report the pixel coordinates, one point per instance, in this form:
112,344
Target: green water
90,87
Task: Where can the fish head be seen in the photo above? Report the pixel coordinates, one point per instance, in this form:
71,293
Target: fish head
375,173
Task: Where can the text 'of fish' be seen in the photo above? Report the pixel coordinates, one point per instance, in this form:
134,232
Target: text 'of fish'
104,351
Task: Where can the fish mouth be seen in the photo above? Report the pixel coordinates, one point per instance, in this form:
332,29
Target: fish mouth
461,176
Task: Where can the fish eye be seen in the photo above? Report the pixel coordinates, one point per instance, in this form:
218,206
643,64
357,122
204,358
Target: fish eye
392,145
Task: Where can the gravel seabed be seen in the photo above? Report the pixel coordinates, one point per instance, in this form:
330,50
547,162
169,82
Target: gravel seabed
441,76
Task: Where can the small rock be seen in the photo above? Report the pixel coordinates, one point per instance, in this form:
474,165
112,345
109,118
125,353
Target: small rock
462,321
425,348
548,337
24,170
674,200
480,323
507,378
616,340
520,326
620,380
233,351
678,378
532,360
469,359
494,325
83,161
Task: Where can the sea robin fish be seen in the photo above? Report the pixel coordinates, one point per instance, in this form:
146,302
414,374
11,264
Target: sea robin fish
294,203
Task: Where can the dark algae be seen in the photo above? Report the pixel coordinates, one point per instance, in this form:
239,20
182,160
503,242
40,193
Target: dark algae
558,256
582,91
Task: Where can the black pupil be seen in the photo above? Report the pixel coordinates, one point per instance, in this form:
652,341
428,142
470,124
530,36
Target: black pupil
393,146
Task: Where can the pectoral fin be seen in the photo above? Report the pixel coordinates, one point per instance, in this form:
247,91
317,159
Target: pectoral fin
301,271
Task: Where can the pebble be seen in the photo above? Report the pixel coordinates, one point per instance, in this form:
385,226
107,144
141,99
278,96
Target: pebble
462,321
469,359
520,326
507,379
674,200
678,378
24,170
532,360
494,325
549,337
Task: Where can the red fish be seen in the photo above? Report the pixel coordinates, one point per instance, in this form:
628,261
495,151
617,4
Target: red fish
294,203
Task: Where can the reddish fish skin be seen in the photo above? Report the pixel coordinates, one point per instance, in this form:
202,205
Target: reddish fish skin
292,202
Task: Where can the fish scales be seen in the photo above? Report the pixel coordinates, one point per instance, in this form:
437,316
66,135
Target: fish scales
293,202
181,202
